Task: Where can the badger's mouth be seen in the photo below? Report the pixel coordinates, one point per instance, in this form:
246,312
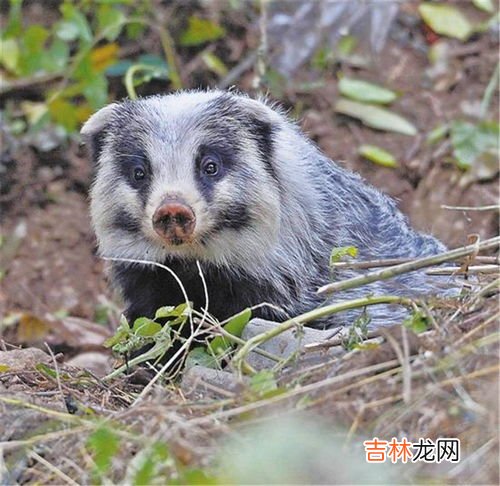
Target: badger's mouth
174,241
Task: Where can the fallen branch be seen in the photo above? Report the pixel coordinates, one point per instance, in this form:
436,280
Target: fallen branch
393,271
389,262
239,357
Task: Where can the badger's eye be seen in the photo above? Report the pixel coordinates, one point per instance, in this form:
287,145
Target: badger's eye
210,165
139,174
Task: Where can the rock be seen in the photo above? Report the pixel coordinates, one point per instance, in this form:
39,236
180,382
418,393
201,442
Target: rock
289,342
23,359
100,364
202,380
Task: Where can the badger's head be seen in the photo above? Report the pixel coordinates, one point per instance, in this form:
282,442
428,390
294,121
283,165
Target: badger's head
189,175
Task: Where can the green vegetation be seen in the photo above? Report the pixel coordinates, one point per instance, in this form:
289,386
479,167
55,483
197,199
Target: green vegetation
76,59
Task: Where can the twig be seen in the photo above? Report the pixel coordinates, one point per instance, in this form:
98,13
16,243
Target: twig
376,368
338,339
429,316
58,377
167,365
244,65
24,84
492,207
260,74
488,259
476,329
404,360
488,288
472,459
407,267
489,91
58,434
167,45
389,262
459,271
53,469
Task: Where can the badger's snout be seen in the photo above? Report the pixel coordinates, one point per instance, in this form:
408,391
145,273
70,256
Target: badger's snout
174,220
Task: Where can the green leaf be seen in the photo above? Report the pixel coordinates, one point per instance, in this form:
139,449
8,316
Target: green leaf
446,20
33,111
121,335
95,90
148,463
166,311
57,56
134,29
104,444
484,5
199,357
237,323
67,31
153,60
417,322
214,64
72,15
474,142
378,155
197,477
182,310
339,253
375,117
366,92
14,25
200,31
45,370
64,113
146,327
263,382
235,326
346,45
34,38
9,54
119,68
110,21
437,134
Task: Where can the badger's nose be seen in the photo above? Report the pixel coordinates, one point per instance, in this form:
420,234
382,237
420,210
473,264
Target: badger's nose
174,220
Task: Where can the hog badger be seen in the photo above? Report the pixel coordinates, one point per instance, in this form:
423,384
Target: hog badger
230,182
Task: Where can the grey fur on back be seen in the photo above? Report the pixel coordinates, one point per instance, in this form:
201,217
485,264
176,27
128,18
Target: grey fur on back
294,206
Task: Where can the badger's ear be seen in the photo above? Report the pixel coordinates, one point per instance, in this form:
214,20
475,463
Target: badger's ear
95,128
261,110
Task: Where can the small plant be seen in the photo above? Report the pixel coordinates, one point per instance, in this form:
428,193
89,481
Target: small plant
358,332
145,332
72,61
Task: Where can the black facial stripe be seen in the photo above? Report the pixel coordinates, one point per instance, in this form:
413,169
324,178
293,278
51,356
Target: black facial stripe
125,221
227,108
262,132
127,160
235,216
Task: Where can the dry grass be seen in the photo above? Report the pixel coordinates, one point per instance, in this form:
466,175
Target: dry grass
439,383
